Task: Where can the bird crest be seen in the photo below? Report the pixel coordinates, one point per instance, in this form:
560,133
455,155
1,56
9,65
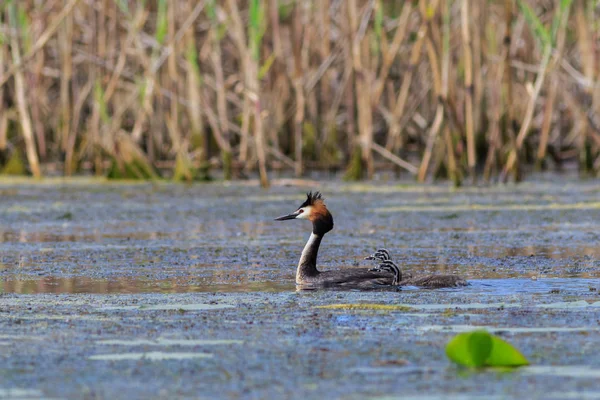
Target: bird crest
311,199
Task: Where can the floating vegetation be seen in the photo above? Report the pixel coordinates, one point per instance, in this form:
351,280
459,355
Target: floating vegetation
366,306
68,216
172,307
482,349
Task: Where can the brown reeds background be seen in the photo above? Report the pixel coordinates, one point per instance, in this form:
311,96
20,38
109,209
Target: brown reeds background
434,88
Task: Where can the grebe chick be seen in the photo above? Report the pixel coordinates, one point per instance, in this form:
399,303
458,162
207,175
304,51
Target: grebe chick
383,255
433,281
389,266
307,275
380,254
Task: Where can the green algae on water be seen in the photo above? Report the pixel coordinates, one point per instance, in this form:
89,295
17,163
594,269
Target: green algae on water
366,306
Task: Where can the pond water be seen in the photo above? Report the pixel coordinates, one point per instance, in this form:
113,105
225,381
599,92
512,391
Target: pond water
85,237
155,290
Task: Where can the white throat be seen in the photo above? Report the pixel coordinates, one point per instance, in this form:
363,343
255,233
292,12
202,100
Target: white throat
308,250
307,266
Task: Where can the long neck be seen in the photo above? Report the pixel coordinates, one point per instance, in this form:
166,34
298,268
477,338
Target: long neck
307,266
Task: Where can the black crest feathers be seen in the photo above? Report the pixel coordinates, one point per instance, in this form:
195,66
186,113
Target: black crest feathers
311,198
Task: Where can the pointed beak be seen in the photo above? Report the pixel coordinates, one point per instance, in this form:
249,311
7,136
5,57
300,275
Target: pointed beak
289,216
371,257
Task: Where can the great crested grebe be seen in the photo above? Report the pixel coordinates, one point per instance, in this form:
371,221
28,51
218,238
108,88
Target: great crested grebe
307,275
428,281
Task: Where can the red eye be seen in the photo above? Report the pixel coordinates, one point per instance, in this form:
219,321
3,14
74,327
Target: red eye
300,211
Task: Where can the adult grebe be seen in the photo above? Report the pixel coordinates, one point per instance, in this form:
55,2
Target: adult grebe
307,275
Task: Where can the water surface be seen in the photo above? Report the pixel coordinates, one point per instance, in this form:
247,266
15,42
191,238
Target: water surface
128,238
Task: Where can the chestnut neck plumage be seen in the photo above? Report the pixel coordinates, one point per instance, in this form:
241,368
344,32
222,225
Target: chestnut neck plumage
307,267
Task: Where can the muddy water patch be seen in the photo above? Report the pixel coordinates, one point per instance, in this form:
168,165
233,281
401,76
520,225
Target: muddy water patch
567,371
189,284
167,342
22,393
170,307
504,287
574,305
63,317
592,205
149,356
497,329
440,396
21,337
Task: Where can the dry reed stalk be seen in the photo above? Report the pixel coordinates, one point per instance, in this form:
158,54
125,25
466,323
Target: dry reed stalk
435,68
98,16
213,121
250,51
26,128
431,140
552,91
389,54
79,102
512,156
507,41
468,60
440,87
239,38
94,127
453,170
173,73
363,89
276,31
479,15
193,85
149,84
427,10
395,159
133,27
65,36
546,68
3,111
495,108
393,142
221,98
312,123
585,40
41,42
152,67
259,130
547,121
274,73
353,147
584,19
297,41
37,88
324,50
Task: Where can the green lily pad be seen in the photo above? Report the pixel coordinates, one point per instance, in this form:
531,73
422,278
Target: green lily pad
505,355
480,348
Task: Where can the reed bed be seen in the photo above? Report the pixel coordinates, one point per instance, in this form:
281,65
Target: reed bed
438,89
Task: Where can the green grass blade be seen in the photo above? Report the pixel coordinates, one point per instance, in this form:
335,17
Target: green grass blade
563,10
539,30
161,22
